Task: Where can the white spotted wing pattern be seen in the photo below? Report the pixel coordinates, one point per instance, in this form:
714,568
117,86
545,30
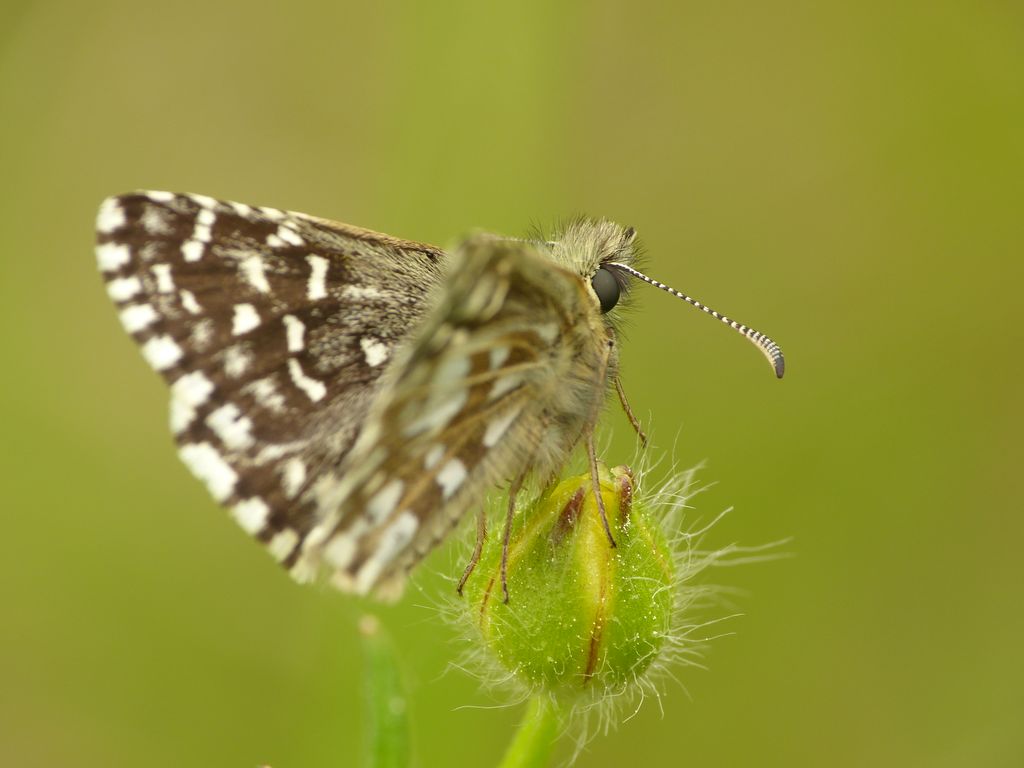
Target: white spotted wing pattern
349,395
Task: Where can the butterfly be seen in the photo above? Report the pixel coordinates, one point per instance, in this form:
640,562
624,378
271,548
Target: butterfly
350,395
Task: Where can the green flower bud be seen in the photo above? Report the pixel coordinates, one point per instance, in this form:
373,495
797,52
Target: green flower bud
584,617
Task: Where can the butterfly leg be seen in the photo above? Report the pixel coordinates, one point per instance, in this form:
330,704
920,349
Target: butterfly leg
512,491
629,412
481,534
595,481
595,478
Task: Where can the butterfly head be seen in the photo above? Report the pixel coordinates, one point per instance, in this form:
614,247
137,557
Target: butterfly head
594,249
604,254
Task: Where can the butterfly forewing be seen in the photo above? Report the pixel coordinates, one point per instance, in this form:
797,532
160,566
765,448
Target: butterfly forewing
272,330
472,400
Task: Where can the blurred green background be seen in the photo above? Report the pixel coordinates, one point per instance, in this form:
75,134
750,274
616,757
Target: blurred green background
847,177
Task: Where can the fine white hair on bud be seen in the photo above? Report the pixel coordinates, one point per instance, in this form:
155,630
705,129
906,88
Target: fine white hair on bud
596,629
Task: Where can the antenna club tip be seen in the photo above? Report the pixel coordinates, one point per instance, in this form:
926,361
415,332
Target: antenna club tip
780,368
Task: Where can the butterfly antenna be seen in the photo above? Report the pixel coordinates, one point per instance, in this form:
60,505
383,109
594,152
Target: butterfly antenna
768,347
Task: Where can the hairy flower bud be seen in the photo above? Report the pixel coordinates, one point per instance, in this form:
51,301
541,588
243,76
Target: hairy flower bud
583,616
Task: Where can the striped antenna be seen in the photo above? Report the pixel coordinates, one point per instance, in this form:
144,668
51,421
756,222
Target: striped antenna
768,347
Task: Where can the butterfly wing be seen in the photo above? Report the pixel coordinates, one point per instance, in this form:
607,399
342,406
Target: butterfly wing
272,329
501,378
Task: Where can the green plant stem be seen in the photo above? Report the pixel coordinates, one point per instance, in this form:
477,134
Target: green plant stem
535,740
387,719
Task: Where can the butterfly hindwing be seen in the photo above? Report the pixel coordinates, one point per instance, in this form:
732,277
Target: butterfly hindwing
498,380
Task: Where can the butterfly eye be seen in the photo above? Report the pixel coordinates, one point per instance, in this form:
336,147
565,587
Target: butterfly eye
606,287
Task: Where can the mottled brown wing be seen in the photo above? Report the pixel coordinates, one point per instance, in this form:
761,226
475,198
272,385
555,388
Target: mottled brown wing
272,329
500,379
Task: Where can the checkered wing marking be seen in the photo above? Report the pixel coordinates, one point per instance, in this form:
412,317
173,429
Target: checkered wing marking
468,404
272,329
